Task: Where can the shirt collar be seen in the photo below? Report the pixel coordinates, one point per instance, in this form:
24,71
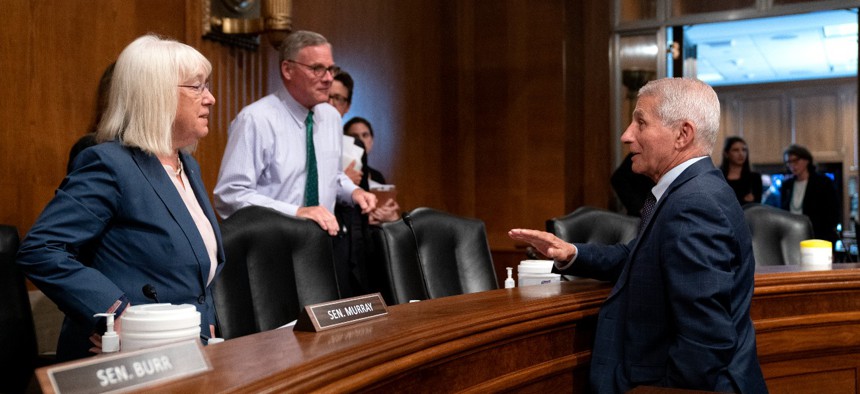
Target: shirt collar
663,184
297,111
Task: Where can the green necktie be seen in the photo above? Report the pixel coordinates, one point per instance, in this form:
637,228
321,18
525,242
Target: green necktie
311,192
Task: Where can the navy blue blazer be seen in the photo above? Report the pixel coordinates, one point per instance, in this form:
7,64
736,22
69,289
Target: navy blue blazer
678,315
115,224
820,204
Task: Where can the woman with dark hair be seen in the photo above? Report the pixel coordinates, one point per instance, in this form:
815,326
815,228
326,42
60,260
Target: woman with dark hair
810,193
736,170
360,129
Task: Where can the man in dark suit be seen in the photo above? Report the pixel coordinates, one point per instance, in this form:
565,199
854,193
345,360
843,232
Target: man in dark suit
678,315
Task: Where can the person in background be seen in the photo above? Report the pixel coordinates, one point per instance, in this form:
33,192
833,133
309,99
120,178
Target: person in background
736,169
631,188
361,130
340,97
809,193
340,93
353,245
271,161
89,139
678,314
133,211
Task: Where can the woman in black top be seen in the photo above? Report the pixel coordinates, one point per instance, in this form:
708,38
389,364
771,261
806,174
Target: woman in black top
736,170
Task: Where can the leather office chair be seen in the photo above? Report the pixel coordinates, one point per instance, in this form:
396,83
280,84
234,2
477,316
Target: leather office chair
776,234
441,255
17,333
588,224
276,265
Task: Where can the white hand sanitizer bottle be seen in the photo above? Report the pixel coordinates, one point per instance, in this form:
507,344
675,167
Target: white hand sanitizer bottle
110,341
509,283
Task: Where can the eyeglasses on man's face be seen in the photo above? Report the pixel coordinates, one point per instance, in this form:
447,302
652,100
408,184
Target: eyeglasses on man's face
319,70
199,88
336,98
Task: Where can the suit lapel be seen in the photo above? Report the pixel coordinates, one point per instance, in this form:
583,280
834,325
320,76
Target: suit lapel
154,173
692,171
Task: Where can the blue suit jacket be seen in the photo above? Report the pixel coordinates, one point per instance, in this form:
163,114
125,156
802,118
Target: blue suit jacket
678,315
116,224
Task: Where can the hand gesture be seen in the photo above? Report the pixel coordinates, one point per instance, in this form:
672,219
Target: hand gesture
549,245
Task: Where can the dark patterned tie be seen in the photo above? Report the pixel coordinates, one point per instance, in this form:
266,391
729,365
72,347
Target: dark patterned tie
647,211
312,185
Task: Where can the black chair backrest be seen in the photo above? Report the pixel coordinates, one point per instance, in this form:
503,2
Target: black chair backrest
17,333
776,234
454,256
588,224
276,265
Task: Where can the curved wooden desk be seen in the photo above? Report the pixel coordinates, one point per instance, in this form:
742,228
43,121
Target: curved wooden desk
532,339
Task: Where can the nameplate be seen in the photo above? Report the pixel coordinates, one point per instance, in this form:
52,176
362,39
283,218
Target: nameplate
326,315
130,371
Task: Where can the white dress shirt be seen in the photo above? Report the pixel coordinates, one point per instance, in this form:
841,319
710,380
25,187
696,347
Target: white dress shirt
265,160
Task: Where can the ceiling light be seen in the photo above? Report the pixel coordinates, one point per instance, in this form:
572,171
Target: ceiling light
783,37
845,29
710,77
721,43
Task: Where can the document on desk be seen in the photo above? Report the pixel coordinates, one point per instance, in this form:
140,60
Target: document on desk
351,152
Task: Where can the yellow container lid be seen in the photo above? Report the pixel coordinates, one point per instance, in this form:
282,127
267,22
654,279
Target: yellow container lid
816,243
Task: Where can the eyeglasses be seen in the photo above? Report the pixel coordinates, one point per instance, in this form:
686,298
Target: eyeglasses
199,88
319,70
338,99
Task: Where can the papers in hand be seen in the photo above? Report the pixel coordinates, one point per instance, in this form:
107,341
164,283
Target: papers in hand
351,152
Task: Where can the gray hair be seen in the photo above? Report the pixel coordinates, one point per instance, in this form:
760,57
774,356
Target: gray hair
687,99
144,93
298,40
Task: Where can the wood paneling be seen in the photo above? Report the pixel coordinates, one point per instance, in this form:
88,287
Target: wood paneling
53,54
495,110
481,109
531,339
763,128
817,114
815,123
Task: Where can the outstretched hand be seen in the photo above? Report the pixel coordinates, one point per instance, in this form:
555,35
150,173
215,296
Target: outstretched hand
549,245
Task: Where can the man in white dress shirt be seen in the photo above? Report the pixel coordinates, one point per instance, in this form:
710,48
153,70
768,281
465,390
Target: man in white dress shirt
267,161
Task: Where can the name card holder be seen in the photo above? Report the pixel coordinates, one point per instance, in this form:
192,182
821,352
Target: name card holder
326,315
128,371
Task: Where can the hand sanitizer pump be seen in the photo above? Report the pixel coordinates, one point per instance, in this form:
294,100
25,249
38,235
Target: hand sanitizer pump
509,283
110,340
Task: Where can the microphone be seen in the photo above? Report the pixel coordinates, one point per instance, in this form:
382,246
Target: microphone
407,218
149,292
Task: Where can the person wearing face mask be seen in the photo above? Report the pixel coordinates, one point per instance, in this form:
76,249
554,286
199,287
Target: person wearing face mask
133,210
736,169
809,193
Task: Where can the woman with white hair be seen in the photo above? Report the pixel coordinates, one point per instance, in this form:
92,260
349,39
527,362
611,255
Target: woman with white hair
133,213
